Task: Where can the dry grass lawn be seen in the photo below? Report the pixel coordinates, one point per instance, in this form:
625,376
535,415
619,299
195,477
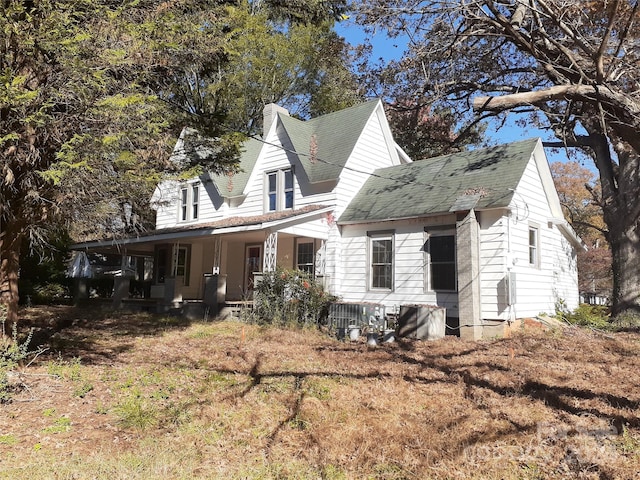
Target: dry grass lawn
136,396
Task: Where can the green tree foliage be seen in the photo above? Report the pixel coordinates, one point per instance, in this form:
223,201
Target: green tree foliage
294,60
84,127
94,93
569,67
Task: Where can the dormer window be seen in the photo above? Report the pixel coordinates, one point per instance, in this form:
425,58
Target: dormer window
279,190
189,202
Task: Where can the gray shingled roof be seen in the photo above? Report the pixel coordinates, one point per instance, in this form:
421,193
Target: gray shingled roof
335,136
480,179
234,185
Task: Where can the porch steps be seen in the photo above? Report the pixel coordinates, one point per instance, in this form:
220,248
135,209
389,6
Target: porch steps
235,310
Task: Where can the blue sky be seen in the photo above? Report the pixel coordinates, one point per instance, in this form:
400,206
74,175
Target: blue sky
388,49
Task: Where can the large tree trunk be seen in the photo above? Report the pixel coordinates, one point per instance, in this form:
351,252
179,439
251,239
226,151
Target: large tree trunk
11,236
625,250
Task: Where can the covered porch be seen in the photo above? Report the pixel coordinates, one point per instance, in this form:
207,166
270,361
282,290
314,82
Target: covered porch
203,267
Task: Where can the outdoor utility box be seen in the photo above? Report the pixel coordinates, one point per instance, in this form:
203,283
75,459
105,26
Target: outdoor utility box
215,290
342,315
422,322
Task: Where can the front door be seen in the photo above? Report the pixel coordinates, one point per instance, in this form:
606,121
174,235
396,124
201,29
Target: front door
252,264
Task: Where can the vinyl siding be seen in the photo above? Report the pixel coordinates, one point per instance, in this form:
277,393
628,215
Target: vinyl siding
493,264
408,265
538,288
370,153
167,201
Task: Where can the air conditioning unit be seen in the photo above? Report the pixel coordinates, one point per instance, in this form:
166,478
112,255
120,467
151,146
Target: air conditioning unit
343,315
422,322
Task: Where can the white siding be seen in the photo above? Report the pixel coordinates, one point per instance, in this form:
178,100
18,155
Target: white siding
166,199
408,265
493,264
370,153
539,288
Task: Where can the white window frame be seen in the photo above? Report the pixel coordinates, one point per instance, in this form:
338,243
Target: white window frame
195,201
533,245
189,202
373,237
312,265
281,190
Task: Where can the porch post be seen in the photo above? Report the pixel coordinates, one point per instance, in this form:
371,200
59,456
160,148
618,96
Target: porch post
121,285
121,282
270,252
217,254
468,265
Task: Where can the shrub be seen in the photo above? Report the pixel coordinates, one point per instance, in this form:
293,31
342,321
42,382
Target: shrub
290,297
626,321
12,352
51,293
594,316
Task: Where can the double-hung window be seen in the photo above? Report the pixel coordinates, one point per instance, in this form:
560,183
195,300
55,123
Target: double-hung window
381,261
534,246
305,256
442,262
279,190
189,202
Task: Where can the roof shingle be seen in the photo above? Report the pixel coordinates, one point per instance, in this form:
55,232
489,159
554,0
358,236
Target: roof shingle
427,187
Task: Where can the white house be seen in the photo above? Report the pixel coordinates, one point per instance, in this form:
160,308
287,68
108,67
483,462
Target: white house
480,233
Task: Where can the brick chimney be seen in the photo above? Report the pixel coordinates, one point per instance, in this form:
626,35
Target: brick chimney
270,114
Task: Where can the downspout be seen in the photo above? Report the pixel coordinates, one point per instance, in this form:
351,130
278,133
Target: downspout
512,307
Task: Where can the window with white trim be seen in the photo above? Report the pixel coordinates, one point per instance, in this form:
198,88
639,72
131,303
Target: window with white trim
534,246
195,200
279,190
305,256
381,261
442,262
189,202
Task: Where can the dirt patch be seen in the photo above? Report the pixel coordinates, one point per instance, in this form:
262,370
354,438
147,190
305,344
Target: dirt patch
144,396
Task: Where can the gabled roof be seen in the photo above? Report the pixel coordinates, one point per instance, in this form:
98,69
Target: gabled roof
335,135
230,186
481,179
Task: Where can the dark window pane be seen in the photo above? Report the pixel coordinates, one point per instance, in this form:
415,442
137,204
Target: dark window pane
288,200
288,179
442,251
381,251
381,263
442,248
443,276
381,276
272,202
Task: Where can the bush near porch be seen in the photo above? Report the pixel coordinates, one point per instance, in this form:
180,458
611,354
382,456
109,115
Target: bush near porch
291,298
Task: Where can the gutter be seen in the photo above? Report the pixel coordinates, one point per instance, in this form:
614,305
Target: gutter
568,232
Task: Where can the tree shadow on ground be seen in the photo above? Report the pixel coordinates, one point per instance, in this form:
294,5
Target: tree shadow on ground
562,398
69,332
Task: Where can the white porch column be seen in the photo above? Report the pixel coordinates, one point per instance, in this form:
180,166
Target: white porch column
217,254
270,252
